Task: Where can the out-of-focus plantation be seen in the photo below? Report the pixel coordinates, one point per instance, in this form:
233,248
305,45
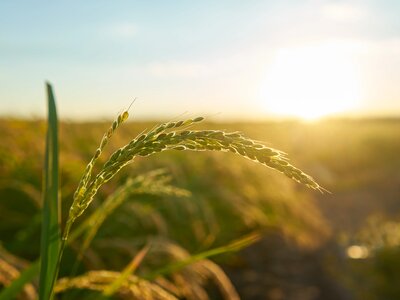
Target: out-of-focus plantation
343,245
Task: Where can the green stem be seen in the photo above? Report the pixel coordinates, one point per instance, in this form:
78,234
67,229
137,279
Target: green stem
64,239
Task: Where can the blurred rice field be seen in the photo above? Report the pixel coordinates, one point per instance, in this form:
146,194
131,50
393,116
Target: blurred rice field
306,235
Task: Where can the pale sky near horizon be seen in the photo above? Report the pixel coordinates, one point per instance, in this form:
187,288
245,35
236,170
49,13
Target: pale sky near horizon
230,59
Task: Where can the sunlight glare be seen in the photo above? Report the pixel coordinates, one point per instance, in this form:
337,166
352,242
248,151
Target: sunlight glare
311,82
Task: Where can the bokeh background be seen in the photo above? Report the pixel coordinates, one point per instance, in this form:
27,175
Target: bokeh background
316,79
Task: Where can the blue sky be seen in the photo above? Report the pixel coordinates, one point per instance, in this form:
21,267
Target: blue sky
229,59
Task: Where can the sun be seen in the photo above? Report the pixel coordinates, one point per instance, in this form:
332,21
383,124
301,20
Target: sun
311,82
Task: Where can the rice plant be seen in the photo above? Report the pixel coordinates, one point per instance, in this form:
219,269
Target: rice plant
169,136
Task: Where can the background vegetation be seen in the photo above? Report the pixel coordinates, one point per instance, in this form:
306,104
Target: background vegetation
306,235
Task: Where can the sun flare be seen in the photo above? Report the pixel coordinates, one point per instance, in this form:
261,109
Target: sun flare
311,82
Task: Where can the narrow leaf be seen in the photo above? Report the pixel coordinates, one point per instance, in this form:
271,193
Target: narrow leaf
130,268
231,247
50,237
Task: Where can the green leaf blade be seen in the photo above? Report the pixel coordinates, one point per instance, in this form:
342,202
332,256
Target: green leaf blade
50,237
